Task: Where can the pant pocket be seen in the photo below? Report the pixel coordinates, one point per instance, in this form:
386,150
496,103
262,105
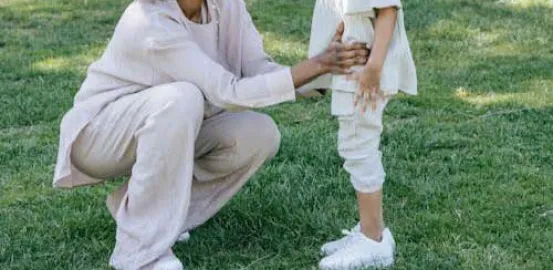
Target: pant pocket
342,103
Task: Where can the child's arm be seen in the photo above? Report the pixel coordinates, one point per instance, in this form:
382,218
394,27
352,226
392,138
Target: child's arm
383,32
369,78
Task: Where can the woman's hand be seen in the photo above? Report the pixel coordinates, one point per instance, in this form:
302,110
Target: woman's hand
368,80
338,58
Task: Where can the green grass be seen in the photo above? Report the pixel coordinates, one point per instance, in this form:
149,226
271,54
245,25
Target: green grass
469,160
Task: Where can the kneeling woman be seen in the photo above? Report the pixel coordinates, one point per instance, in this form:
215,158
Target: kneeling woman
153,108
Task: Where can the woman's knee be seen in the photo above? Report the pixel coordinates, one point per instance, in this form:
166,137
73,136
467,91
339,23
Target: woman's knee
269,135
182,101
255,135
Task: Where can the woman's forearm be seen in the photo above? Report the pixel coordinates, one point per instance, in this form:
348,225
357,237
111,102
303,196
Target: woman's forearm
383,33
337,59
306,71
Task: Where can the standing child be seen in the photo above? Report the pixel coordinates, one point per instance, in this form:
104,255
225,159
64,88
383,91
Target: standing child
390,68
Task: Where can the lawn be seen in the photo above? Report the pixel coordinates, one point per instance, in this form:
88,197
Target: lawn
469,160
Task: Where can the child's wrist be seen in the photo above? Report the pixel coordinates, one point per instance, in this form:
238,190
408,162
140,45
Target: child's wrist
373,66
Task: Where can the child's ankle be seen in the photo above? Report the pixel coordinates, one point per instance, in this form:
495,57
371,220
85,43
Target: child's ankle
375,235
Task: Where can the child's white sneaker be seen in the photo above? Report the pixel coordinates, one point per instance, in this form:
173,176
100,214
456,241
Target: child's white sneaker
361,252
331,247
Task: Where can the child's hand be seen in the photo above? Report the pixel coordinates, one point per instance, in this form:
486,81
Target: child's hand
369,87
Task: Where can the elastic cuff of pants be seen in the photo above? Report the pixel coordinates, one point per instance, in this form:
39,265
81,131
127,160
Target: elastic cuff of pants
367,190
367,186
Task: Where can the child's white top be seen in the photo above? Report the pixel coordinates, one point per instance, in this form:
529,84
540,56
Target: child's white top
399,71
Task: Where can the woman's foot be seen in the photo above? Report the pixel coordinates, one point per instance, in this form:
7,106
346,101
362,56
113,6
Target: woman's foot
184,237
310,93
359,251
167,262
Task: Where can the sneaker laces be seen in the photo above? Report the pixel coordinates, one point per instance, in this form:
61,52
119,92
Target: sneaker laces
348,232
349,235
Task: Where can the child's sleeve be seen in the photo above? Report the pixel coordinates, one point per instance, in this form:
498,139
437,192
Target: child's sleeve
358,6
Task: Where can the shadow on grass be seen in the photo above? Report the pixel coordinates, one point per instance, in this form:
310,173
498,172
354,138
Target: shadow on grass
481,47
46,48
